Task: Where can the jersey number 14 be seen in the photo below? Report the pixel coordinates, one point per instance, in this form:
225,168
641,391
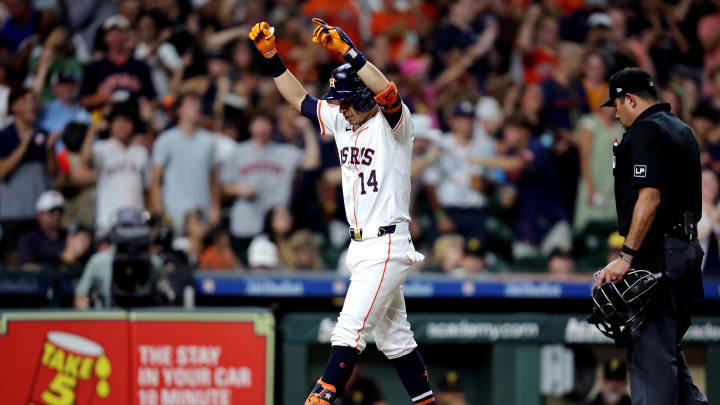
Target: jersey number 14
371,182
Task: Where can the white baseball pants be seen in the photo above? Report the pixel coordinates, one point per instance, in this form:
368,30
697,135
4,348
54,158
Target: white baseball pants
374,302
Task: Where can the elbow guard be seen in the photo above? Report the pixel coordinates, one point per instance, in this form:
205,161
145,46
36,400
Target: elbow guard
388,100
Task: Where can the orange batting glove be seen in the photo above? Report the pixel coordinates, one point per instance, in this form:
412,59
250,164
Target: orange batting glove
332,38
263,35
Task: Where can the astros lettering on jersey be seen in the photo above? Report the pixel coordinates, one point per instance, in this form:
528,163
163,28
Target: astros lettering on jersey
375,162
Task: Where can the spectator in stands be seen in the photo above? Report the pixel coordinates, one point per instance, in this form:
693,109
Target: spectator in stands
599,25
704,121
709,225
425,153
564,98
488,120
155,49
560,264
26,163
541,221
614,384
262,254
219,85
22,24
57,113
425,145
714,97
668,45
671,95
259,176
463,48
49,245
123,168
596,198
191,242
448,253
450,390
64,74
594,80
459,199
117,77
689,88
278,225
75,180
184,167
564,102
608,36
418,91
399,26
527,100
474,261
537,44
218,254
301,252
226,142
708,31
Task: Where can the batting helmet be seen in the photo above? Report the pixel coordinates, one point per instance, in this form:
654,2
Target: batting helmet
345,84
623,305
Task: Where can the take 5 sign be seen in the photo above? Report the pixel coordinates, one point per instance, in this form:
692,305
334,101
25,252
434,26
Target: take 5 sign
140,358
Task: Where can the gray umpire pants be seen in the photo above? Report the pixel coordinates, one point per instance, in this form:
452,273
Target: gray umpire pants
659,374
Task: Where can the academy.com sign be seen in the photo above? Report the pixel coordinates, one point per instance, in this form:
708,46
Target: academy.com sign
490,331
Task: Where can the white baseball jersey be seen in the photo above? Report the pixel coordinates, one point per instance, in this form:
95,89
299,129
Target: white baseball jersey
375,162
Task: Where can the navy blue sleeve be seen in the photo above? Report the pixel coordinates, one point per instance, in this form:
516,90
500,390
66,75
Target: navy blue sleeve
538,158
26,248
90,81
309,108
148,88
8,142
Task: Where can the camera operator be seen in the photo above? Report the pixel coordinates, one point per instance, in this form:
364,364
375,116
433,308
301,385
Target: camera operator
127,274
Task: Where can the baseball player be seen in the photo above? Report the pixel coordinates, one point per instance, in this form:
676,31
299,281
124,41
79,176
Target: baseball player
373,132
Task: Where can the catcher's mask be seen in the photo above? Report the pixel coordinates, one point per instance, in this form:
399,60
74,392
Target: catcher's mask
623,305
345,84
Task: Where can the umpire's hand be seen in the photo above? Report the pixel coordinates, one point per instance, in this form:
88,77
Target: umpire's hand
614,271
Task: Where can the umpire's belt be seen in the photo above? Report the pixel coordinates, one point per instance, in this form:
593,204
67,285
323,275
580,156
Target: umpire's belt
370,232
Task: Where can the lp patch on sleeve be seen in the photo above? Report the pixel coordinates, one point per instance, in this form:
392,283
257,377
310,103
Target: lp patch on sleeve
640,170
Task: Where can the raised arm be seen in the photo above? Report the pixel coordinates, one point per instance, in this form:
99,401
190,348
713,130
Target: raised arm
263,35
386,95
335,40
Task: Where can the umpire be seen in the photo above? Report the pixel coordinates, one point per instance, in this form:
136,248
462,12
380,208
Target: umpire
657,194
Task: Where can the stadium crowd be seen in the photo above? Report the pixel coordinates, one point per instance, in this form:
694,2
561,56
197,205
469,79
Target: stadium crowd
162,105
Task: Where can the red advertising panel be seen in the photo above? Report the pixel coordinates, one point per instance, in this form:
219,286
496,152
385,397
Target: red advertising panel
63,359
140,358
201,358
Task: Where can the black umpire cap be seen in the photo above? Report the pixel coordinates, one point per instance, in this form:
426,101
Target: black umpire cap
629,80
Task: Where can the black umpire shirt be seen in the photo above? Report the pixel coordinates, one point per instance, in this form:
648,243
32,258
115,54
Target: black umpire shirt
659,151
